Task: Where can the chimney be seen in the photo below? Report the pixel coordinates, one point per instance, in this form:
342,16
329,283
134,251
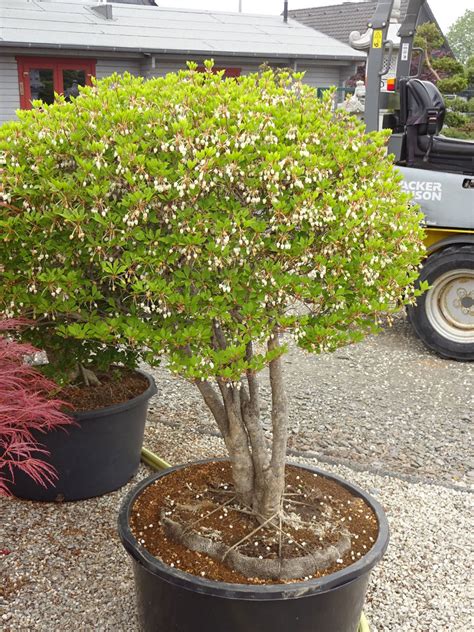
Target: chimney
104,10
285,11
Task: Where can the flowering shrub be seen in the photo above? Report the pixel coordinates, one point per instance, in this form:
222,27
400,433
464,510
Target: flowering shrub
25,406
201,218
183,199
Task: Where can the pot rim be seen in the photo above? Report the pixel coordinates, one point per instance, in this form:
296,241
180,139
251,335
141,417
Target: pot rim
118,408
251,591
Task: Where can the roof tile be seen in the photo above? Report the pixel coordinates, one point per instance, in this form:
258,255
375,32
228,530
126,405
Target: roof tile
339,20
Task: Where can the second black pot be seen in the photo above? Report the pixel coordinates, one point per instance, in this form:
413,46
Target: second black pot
97,456
170,600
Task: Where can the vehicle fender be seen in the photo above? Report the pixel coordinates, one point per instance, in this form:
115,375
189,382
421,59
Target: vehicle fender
433,243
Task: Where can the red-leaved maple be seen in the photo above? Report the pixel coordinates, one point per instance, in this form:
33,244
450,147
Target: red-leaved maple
24,407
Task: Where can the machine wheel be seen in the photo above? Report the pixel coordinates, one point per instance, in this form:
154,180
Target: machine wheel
443,317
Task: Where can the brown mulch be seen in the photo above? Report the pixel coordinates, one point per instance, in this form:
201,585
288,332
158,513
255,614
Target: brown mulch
208,486
121,386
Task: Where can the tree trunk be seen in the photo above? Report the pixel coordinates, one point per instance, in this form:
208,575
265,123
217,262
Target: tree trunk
224,411
430,67
270,487
258,472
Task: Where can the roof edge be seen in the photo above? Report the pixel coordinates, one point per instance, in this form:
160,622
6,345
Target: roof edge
170,51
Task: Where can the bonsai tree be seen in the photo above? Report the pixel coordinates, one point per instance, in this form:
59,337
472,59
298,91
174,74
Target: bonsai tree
441,66
212,221
26,405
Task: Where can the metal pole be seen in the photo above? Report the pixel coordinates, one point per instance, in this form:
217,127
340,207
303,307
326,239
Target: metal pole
379,25
285,11
407,34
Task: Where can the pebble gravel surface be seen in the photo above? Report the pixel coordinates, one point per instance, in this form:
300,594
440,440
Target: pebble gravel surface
386,403
385,414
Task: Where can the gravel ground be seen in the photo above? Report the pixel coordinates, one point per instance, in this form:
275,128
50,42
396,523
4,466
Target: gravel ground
386,404
385,414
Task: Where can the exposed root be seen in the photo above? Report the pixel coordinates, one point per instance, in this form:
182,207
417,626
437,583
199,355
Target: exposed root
247,537
203,517
277,568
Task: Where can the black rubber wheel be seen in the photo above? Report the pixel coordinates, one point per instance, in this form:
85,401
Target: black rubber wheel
443,317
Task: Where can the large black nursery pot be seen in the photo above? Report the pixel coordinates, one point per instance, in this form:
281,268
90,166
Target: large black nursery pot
97,456
170,600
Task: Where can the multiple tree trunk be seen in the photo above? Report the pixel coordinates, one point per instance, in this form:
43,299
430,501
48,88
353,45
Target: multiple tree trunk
258,468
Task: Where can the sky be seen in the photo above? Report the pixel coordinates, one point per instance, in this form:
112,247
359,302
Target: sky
445,11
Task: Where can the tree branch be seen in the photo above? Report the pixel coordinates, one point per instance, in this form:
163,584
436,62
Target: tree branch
252,382
428,63
215,405
250,410
219,337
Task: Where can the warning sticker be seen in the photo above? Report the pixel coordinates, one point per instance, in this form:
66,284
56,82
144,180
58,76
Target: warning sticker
377,38
405,51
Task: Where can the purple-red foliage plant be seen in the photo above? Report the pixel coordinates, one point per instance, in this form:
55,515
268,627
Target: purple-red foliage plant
25,406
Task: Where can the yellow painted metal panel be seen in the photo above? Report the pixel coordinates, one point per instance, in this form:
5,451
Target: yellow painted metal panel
433,235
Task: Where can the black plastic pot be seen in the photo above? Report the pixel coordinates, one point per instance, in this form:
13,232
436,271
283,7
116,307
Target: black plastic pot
97,456
170,600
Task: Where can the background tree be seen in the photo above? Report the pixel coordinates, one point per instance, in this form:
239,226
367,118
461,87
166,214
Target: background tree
232,215
459,121
461,36
451,77
442,68
469,72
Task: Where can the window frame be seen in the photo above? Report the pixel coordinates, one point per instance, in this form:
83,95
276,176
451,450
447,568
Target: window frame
57,65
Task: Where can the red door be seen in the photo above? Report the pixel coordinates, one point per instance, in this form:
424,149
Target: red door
41,77
228,72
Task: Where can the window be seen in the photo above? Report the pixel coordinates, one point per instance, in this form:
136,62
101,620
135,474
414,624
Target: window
41,77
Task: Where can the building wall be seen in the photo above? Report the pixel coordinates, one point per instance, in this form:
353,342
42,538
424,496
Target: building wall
319,75
159,68
105,67
164,66
9,91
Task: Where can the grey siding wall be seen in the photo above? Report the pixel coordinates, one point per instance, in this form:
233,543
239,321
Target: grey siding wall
348,71
106,67
9,91
321,76
162,68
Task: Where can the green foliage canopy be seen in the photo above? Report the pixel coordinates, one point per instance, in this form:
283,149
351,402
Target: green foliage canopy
143,216
460,116
461,36
428,37
469,70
